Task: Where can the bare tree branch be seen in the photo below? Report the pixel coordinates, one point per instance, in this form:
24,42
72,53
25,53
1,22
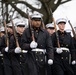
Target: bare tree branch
45,8
65,1
23,14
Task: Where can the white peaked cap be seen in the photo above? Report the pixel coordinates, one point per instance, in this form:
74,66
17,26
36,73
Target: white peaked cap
49,25
61,20
36,15
20,23
9,24
2,29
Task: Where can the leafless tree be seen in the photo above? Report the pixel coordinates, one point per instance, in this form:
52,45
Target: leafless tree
46,6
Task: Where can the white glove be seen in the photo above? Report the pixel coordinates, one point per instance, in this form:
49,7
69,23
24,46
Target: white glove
65,49
59,50
50,61
73,62
6,49
17,50
33,44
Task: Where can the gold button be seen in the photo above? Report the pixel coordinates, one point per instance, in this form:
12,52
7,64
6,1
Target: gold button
66,51
36,51
41,59
61,57
20,55
2,63
36,59
36,30
61,44
2,58
40,52
20,62
66,45
66,57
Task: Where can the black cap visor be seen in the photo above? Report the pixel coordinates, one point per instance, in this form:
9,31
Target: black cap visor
20,25
50,28
62,22
36,19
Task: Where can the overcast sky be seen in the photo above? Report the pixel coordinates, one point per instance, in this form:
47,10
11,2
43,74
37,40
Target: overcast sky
67,10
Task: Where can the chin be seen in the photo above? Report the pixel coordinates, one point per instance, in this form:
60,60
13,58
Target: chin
37,26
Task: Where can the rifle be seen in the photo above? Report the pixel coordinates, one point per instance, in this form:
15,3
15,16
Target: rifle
32,30
55,30
43,24
7,39
14,32
74,34
15,36
0,32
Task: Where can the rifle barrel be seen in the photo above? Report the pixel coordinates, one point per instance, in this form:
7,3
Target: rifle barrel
55,30
74,34
7,39
14,33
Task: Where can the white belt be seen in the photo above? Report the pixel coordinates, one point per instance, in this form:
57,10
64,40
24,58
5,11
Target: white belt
39,50
24,51
65,49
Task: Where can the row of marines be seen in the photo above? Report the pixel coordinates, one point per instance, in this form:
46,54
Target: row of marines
38,52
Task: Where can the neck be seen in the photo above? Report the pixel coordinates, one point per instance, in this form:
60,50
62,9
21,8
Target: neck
61,30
